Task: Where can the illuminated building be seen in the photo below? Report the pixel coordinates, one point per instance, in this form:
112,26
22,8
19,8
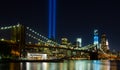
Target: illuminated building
104,43
107,44
52,19
96,42
79,42
36,56
64,41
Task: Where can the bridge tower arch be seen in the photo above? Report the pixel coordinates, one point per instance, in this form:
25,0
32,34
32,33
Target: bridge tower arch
18,35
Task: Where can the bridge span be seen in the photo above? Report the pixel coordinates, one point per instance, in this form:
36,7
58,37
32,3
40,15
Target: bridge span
24,39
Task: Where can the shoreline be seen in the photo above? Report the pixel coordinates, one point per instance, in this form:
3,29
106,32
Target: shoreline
50,60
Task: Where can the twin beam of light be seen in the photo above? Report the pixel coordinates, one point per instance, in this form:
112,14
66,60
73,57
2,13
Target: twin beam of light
52,19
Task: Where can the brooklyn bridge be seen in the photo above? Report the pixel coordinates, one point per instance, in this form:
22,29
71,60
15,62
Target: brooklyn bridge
23,40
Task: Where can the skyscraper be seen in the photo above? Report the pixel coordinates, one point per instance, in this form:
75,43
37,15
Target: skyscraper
79,42
104,43
107,44
52,19
64,41
96,39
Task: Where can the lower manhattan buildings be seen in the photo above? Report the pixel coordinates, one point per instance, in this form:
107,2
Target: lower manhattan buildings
104,43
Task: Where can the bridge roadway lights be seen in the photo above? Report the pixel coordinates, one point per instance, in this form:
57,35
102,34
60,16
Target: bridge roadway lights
67,52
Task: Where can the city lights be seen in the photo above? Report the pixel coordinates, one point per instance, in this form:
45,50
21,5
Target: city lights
59,35
43,41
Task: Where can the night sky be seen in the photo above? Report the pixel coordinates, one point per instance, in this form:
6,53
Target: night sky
75,18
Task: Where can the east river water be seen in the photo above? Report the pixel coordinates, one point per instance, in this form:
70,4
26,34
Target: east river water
65,65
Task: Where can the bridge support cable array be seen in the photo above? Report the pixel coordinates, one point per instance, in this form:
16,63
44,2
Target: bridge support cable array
41,37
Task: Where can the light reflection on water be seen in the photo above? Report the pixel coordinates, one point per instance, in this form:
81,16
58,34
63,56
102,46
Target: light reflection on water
66,65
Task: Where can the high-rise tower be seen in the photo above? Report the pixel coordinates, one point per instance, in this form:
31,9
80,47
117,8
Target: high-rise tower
52,19
64,41
96,39
79,42
104,43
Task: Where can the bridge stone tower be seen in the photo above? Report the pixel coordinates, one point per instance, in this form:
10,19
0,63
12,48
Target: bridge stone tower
18,35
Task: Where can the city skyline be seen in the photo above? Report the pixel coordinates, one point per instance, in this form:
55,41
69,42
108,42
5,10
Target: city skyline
74,18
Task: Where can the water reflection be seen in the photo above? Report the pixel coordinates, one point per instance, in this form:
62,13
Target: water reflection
70,65
66,65
105,65
33,66
115,66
